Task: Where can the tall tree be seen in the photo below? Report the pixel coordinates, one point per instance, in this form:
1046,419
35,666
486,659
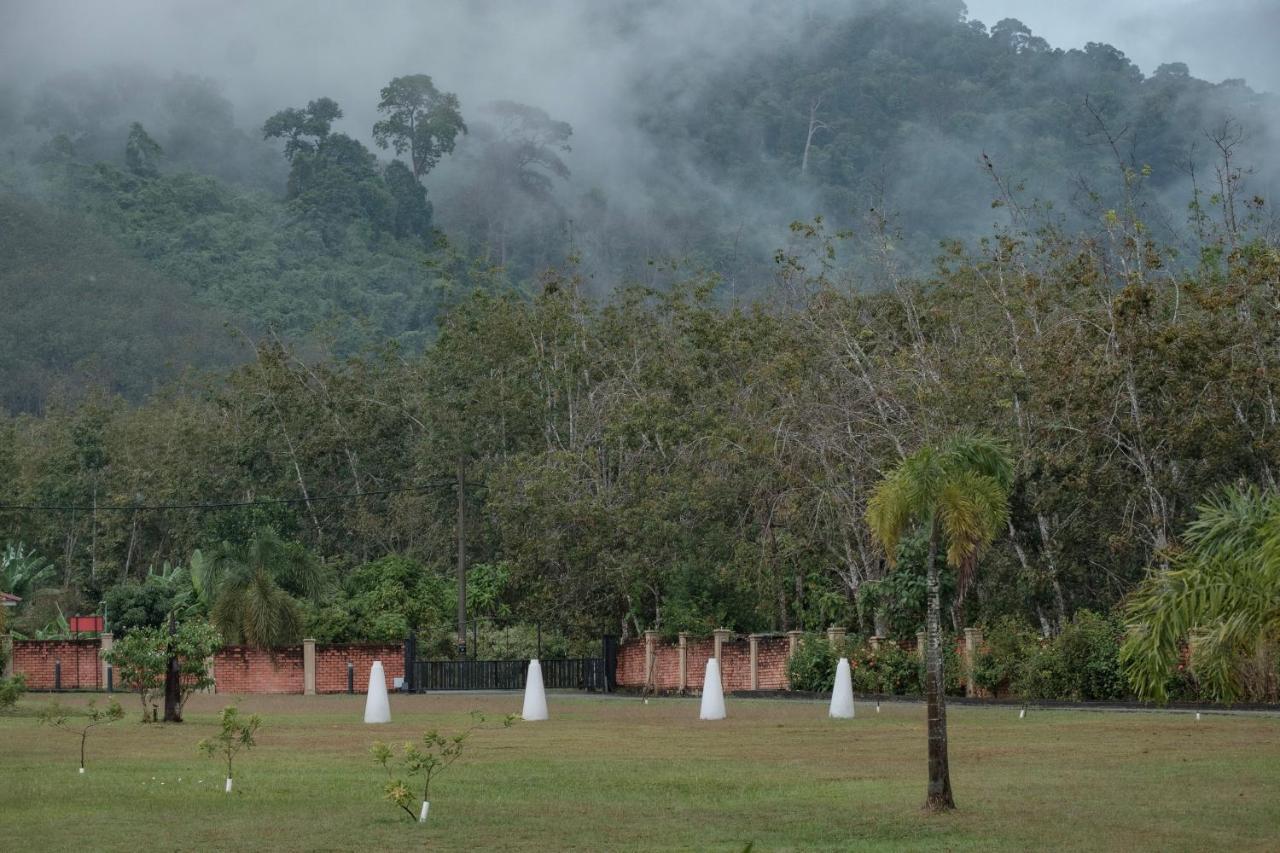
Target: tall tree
958,494
303,129
419,119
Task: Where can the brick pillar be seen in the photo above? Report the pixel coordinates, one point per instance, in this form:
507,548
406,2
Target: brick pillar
105,642
793,643
755,661
684,661
920,644
650,651
309,667
835,636
972,642
721,635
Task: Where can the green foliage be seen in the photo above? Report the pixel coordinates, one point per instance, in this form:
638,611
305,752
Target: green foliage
813,666
1221,598
132,605
22,570
1081,664
11,690
1006,644
234,734
142,153
420,120
141,659
418,764
70,722
256,588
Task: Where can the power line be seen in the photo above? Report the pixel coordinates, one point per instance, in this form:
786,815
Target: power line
221,505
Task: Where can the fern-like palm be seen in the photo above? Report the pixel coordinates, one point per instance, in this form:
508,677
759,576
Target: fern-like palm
959,494
1221,597
257,583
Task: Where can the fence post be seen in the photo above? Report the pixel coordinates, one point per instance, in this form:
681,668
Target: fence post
610,650
57,675
835,636
411,661
650,651
309,667
972,642
351,677
684,661
721,635
105,642
755,661
920,644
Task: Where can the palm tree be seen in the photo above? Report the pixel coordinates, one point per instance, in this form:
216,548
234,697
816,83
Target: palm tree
959,495
256,587
1221,597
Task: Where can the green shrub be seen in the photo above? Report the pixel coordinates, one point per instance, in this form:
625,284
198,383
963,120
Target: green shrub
11,690
1006,644
888,669
813,666
1081,663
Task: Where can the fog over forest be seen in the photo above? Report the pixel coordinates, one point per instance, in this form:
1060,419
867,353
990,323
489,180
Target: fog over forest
621,136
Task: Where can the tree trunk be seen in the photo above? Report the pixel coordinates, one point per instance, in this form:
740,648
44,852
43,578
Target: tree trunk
939,797
172,680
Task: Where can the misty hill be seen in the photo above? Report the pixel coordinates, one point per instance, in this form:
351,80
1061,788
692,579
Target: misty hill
80,313
830,108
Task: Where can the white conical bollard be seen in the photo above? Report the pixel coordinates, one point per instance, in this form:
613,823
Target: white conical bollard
842,693
535,696
377,709
712,693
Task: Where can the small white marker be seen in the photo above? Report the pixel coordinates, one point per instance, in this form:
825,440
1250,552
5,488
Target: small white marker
1022,713
422,815
877,706
81,769
1197,719
228,784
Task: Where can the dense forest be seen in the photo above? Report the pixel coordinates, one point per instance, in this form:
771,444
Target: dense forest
657,403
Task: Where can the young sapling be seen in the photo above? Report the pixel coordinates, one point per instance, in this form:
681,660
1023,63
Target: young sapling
235,733
60,718
418,764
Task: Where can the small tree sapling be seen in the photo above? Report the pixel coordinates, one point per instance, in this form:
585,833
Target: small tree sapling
236,733
419,763
61,718
11,690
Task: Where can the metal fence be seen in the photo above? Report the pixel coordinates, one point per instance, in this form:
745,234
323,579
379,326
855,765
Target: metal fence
561,673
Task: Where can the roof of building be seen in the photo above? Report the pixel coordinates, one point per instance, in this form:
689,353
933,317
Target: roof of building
9,600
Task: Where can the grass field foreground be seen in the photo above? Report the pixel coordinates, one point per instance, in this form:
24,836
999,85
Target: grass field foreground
610,773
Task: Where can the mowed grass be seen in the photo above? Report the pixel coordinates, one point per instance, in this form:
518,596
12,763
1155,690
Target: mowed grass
612,773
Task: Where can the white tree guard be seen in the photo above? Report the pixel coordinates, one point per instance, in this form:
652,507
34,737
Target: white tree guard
535,696
377,708
712,693
842,693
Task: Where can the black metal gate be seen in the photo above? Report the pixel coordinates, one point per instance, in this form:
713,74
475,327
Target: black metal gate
563,673
595,674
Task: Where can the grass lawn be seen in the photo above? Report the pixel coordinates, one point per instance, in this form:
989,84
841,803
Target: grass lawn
609,773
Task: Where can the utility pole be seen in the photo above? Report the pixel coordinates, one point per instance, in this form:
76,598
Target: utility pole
462,556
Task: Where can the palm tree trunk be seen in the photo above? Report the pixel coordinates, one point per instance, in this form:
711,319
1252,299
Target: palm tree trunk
939,797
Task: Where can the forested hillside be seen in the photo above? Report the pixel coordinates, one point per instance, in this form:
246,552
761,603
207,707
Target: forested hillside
663,392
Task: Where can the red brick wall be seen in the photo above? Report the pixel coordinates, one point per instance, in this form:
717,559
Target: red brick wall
331,666
241,669
81,665
735,664
236,669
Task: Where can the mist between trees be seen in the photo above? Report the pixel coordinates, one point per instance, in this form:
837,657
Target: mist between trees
680,444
